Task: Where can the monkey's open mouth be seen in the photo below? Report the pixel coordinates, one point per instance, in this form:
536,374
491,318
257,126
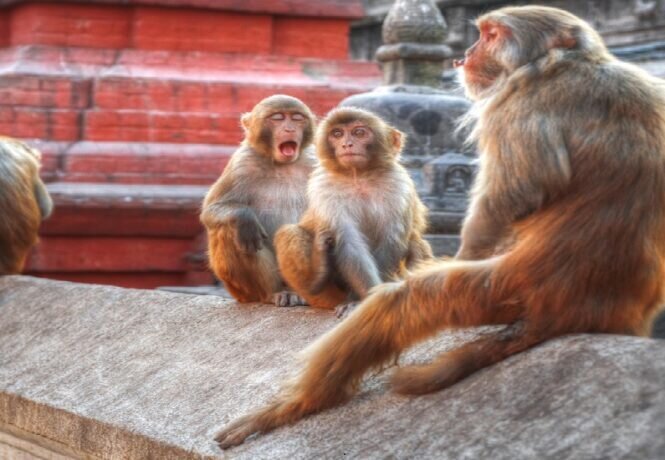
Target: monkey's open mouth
288,149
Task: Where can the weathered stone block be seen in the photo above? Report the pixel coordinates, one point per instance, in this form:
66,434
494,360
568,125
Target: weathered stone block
114,373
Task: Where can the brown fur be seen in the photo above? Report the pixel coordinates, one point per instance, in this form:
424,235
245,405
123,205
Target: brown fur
372,217
24,203
253,198
567,221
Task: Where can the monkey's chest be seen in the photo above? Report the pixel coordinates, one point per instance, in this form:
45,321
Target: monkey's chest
279,202
377,216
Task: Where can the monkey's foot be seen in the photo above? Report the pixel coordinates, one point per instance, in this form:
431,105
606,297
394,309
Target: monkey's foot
343,310
288,299
236,433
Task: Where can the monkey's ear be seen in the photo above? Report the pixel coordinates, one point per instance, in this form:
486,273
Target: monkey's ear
246,121
397,139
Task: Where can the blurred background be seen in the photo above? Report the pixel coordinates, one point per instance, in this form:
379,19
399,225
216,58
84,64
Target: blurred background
135,106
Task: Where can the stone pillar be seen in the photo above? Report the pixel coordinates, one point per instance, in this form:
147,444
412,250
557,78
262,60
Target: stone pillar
413,51
412,99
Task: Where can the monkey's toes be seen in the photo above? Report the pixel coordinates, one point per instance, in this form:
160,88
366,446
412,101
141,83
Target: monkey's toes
288,299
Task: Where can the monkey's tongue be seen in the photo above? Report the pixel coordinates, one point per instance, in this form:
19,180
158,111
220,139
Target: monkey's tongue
288,149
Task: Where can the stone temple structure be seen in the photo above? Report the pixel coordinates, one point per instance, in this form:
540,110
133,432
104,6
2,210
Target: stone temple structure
413,100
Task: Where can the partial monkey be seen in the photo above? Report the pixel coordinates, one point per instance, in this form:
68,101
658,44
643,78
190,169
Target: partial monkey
24,203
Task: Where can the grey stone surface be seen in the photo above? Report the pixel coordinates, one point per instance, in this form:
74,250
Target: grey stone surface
117,373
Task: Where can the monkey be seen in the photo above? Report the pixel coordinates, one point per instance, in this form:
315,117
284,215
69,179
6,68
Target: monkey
571,174
262,188
24,203
364,222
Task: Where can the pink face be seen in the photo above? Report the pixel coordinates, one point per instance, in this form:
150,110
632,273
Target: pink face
287,134
350,143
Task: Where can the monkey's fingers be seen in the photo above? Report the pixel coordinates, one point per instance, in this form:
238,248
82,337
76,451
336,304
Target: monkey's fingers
236,433
343,310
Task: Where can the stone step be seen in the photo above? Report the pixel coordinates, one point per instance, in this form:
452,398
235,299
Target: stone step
443,245
124,234
132,162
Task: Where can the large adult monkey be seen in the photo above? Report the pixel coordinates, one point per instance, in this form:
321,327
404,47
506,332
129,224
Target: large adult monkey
572,171
262,188
24,203
364,222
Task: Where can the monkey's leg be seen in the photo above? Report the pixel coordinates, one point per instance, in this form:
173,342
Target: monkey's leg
305,264
249,277
393,317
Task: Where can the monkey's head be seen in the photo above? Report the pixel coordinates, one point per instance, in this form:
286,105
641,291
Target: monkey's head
513,37
354,139
279,127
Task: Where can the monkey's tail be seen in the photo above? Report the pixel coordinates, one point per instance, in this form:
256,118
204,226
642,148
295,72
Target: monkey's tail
393,317
455,365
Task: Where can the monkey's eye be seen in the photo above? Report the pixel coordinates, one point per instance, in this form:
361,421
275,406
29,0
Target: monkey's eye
277,116
297,116
337,133
359,132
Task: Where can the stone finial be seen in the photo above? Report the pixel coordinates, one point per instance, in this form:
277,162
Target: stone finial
413,51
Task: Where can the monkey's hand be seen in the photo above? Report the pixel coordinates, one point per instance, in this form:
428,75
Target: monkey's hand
249,234
343,310
236,433
281,412
325,241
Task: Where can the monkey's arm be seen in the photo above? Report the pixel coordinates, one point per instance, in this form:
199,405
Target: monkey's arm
43,198
355,261
221,208
514,182
322,260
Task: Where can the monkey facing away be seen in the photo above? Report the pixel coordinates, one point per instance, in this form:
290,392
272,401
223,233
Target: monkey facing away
262,188
364,222
572,172
24,203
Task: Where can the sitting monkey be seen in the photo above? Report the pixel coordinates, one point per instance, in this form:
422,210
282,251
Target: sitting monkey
24,203
364,222
262,188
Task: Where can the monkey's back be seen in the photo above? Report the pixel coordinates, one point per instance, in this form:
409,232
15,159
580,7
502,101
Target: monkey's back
597,244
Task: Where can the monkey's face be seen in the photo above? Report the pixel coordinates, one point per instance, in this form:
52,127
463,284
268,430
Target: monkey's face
351,144
285,130
481,67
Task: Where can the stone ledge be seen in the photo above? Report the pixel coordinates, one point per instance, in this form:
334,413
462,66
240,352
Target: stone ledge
118,373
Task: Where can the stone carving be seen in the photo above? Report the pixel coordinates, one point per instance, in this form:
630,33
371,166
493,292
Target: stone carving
413,50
